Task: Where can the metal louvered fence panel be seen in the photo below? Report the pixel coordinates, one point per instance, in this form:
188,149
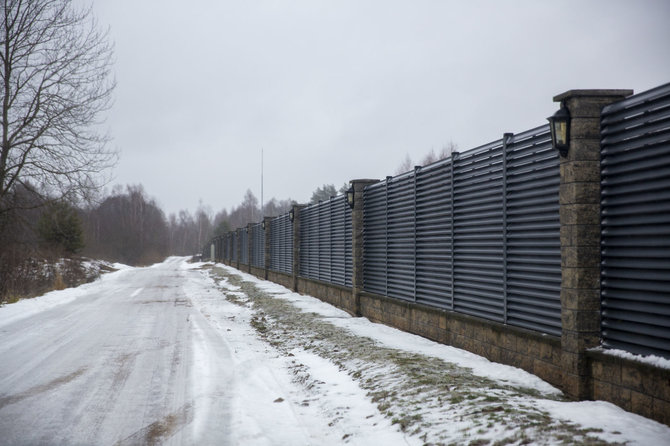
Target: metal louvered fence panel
635,206
532,224
375,237
400,251
281,245
325,241
234,247
257,246
244,246
309,242
434,235
477,233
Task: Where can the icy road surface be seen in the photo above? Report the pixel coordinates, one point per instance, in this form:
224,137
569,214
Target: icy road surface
135,359
198,354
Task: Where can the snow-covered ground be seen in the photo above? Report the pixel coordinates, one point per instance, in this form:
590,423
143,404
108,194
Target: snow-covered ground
184,353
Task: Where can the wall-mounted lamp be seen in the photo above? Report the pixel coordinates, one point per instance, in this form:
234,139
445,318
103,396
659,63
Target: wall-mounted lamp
559,124
291,215
350,196
263,225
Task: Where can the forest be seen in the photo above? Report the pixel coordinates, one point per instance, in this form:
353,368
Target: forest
45,243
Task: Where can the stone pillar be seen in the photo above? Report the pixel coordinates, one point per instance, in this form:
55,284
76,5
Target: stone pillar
580,235
357,242
268,240
296,244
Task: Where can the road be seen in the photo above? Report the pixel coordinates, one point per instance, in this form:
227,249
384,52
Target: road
133,361
195,354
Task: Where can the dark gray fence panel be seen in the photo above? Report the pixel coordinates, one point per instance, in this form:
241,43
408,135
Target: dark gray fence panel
244,239
533,244
340,244
309,242
478,232
221,253
281,245
635,205
375,236
235,247
258,246
348,254
400,226
434,235
325,241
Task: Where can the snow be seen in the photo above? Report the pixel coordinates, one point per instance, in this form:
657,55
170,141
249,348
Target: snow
653,360
610,421
27,307
616,423
168,355
394,338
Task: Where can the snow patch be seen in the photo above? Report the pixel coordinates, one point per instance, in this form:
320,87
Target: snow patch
617,425
653,360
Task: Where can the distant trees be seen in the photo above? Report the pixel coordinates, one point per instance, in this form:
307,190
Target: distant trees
432,157
55,80
127,227
274,207
60,228
326,191
54,83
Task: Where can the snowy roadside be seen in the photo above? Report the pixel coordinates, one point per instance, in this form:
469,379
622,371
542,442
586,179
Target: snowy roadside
283,397
30,306
373,379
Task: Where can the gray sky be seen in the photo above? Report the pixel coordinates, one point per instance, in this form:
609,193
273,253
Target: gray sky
338,90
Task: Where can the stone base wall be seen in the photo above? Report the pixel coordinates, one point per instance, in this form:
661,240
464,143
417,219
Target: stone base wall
632,385
245,268
282,279
536,353
339,296
258,272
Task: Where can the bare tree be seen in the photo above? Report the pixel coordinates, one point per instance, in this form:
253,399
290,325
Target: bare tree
55,82
405,166
323,193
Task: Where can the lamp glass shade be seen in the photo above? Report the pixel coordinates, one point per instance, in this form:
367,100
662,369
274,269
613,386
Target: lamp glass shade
559,124
350,197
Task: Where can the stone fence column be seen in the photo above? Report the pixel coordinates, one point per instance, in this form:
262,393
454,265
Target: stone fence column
580,234
357,242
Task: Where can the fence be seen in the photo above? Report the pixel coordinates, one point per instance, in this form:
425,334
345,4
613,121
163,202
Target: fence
257,245
509,250
281,245
325,242
635,206
477,233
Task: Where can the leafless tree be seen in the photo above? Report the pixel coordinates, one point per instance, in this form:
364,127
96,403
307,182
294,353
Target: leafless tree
55,81
405,166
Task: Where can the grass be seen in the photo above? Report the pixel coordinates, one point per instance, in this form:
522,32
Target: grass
422,395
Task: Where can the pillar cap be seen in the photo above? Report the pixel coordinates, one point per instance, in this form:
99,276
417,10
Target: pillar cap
592,93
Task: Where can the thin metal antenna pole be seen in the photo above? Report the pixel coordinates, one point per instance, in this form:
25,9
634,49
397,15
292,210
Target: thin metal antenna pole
262,202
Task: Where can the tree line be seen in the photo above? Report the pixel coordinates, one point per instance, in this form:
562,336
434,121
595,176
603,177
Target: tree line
55,84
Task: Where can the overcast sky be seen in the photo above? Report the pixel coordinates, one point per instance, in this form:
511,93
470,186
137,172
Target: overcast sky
337,90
